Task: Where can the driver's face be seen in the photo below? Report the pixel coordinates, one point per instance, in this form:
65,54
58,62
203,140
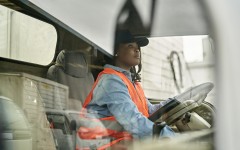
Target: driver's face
129,54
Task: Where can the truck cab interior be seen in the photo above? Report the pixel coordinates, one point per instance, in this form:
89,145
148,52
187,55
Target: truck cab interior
61,64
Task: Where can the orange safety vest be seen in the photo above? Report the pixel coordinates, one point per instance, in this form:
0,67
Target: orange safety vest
115,131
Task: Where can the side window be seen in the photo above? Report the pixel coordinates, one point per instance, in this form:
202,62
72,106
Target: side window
198,49
165,75
25,38
193,48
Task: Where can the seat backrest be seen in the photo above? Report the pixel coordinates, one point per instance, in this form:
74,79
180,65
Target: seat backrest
71,69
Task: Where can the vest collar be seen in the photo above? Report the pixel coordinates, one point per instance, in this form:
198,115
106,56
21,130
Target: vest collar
125,72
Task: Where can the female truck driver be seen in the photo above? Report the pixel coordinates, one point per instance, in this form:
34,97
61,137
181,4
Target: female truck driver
117,97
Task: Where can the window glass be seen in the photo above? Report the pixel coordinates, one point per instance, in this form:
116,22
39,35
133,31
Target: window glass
170,65
25,38
193,48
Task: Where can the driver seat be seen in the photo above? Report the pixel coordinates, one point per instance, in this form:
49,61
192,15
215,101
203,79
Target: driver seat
71,69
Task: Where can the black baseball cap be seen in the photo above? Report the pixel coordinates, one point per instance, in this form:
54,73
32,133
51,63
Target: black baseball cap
125,36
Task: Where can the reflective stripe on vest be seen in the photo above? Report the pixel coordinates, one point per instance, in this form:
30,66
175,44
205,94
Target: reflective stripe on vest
110,127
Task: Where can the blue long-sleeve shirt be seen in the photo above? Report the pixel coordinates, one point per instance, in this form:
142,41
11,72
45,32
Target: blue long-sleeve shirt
111,98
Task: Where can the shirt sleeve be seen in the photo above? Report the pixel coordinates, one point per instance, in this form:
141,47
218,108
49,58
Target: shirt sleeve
116,97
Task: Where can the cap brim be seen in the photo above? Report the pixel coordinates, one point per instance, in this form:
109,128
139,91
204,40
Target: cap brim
142,41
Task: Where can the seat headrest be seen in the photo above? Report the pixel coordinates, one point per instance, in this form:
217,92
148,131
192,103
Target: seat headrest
73,63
